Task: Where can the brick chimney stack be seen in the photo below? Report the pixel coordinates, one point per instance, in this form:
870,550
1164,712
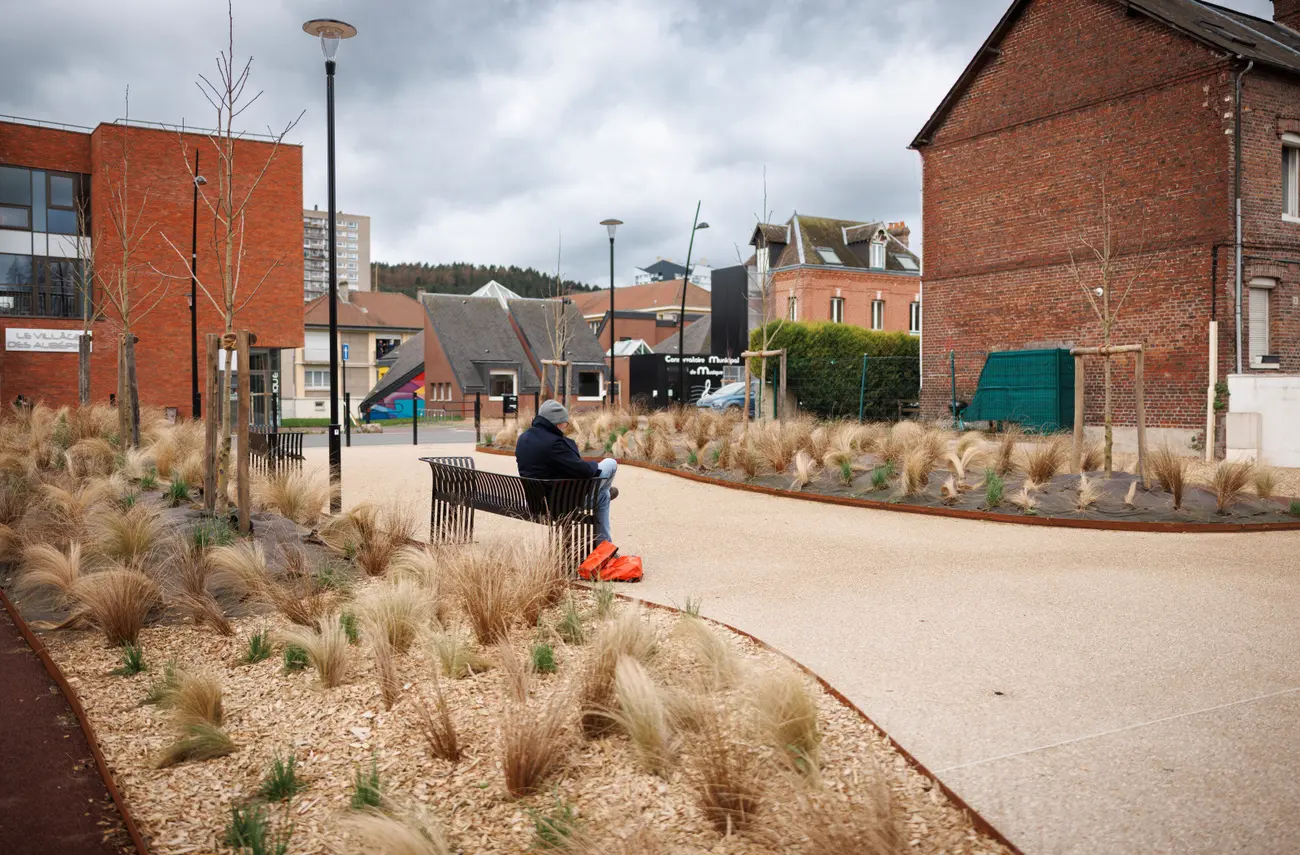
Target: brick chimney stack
902,232
1287,13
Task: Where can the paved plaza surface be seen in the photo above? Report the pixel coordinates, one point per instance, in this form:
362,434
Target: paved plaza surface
1087,692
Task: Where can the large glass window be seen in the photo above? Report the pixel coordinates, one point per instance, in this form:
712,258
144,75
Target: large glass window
877,314
591,384
501,383
35,200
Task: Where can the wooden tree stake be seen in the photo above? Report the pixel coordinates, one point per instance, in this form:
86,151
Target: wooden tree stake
211,422
1078,413
245,399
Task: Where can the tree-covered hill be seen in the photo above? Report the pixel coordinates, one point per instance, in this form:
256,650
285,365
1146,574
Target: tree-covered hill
461,278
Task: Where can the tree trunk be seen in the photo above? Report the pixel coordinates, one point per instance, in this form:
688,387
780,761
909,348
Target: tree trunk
123,406
83,369
1108,420
223,448
132,390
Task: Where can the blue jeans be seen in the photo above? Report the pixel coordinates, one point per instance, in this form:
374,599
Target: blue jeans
608,467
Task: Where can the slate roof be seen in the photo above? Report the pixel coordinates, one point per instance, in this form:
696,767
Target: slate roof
653,295
848,242
476,336
1222,30
367,309
697,335
407,362
535,318
665,269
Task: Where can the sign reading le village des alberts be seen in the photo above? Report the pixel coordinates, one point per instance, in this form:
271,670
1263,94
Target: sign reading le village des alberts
42,341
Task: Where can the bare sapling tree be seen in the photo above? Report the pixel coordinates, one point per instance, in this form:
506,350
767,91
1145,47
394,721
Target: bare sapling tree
227,199
119,279
84,282
761,296
558,332
1106,261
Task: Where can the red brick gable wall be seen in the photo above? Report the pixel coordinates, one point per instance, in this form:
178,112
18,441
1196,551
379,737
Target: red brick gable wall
815,286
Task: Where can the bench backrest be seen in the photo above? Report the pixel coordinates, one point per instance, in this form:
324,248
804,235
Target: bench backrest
457,481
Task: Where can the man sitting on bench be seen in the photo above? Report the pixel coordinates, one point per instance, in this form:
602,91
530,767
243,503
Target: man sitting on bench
544,452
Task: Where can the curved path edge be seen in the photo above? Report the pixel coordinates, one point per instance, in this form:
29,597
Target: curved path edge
981,824
70,695
955,513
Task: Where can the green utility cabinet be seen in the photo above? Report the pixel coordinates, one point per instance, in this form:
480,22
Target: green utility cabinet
1031,388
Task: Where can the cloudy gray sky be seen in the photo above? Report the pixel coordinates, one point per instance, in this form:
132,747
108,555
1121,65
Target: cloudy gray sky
484,130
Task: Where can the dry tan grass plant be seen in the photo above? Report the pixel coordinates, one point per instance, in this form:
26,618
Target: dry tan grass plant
437,728
193,598
381,648
481,579
1008,440
804,467
1228,483
787,715
133,537
642,714
855,825
1265,478
1088,493
915,474
1170,470
92,457
456,654
199,742
728,778
517,670
194,698
1092,459
49,573
326,647
1025,498
535,744
1044,460
117,602
965,460
297,494
721,663
969,439
380,834
626,634
397,609
948,490
1130,495
506,437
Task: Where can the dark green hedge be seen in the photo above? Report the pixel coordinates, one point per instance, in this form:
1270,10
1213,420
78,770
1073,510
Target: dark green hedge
825,366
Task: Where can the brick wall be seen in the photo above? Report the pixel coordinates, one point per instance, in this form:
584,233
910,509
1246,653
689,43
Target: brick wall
815,286
160,186
1081,92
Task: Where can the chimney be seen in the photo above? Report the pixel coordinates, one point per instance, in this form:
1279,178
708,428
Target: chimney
344,291
902,232
1287,13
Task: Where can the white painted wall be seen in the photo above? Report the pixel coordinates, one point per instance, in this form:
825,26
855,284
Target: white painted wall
1276,398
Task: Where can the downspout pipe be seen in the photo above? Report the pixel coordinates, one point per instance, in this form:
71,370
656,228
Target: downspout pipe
1236,140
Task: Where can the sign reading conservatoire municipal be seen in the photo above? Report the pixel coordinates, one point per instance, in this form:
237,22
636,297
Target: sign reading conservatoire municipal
42,341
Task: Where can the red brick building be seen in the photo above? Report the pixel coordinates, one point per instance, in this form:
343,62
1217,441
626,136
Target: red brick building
47,174
1067,97
844,271
647,312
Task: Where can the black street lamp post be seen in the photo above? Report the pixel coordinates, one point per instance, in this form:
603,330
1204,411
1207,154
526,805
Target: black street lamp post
196,401
610,226
681,318
330,32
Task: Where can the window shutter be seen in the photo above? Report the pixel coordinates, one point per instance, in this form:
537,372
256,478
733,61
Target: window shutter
1258,323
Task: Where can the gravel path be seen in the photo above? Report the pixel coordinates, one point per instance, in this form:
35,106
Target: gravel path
1085,691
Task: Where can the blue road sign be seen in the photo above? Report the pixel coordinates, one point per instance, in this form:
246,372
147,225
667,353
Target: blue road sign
345,353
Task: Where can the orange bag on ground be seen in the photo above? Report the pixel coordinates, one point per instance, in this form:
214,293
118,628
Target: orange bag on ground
606,565
591,565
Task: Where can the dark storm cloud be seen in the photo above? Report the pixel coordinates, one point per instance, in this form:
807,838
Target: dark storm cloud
482,131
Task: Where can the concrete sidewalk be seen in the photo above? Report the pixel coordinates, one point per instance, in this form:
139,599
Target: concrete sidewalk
1087,692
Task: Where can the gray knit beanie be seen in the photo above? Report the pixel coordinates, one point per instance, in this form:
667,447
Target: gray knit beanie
554,412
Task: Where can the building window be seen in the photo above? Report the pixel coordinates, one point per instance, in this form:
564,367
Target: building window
829,255
313,378
384,346
1260,291
877,314
914,318
792,308
40,201
591,385
1291,177
878,255
501,382
837,310
316,346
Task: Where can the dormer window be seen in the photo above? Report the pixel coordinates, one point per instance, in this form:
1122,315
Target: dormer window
828,255
878,255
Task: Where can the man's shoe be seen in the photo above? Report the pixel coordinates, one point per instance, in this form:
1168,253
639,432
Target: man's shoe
613,493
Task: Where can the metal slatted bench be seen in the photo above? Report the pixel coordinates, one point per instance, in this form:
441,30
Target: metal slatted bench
567,507
273,452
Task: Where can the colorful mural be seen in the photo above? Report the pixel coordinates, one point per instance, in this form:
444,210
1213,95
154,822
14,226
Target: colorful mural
397,403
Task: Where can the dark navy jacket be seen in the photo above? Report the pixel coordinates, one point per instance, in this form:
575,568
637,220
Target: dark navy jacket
543,451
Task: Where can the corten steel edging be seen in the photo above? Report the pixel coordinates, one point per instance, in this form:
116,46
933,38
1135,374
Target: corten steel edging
978,821
70,695
959,513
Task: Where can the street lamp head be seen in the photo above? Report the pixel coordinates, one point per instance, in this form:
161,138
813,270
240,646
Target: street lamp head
330,31
610,226
199,181
701,226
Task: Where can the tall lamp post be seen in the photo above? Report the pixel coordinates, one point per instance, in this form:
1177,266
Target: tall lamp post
681,318
196,401
331,32
611,226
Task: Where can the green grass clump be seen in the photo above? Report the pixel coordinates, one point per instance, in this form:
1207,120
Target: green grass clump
212,532
295,658
258,648
177,493
1294,510
604,593
846,472
543,659
282,782
692,459
570,626
692,606
128,500
132,661
551,831
348,621
366,792
993,488
334,576
880,476
149,481
249,830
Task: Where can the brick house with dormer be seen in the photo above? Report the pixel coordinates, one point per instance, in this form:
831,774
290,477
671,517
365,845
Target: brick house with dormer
1141,94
